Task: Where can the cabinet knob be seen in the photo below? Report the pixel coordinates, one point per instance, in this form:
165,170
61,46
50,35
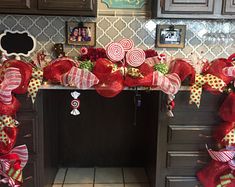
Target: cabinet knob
27,136
201,162
28,178
204,136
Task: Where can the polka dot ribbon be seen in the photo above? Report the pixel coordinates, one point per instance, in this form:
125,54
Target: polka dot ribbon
200,80
35,83
6,121
226,180
230,138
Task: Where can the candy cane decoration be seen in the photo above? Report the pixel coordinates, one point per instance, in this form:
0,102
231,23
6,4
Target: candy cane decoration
135,57
12,80
115,52
75,103
127,44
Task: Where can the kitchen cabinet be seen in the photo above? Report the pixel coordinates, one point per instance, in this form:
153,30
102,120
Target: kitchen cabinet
181,150
196,9
229,7
50,7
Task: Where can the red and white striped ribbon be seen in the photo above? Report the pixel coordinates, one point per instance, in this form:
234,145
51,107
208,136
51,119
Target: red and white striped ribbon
169,83
229,71
22,152
12,80
223,156
80,78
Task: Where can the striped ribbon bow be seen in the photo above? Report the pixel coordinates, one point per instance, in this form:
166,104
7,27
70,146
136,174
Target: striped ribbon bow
35,83
11,166
229,71
169,84
200,80
12,80
225,156
6,121
80,78
225,180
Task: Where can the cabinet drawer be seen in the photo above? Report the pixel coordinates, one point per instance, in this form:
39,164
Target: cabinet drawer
27,133
184,181
181,134
30,174
186,159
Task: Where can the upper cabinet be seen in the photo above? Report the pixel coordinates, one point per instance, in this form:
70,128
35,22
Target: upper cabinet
201,9
228,7
69,7
15,4
50,7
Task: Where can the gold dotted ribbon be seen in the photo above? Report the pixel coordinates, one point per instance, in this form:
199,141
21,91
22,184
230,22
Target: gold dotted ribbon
230,137
6,121
226,180
35,83
200,80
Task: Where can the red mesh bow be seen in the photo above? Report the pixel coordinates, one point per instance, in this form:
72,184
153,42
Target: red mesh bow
227,109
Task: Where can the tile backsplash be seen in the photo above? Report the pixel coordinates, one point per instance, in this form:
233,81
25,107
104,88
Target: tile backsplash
51,29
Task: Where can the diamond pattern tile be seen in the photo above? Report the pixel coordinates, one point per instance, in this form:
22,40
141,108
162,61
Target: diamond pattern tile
51,29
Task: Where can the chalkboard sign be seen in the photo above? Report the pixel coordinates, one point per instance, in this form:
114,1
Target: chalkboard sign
17,43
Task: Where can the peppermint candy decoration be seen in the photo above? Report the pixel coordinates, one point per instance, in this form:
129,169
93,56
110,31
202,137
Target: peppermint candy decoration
135,57
75,103
115,52
127,44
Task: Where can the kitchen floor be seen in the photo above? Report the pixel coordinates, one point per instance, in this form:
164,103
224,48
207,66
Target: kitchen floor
101,177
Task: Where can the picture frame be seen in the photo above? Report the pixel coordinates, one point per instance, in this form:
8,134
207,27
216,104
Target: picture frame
81,33
170,36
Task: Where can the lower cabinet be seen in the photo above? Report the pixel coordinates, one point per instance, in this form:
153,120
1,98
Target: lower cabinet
181,150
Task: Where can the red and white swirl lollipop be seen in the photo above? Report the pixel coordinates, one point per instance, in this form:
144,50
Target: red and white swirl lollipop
135,57
127,44
115,52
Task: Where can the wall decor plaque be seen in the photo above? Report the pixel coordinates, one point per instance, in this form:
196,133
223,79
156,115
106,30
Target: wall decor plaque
124,4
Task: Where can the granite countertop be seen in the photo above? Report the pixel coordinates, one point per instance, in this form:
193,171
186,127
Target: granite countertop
60,87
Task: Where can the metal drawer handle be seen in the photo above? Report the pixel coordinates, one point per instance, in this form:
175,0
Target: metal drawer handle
204,136
201,162
27,136
28,178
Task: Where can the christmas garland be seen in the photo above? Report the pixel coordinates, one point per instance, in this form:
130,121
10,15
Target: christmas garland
109,71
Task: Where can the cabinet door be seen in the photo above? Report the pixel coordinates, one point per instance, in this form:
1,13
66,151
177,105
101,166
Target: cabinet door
66,5
15,4
228,7
187,6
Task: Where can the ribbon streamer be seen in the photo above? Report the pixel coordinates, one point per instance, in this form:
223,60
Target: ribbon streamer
225,156
169,84
80,78
200,80
11,166
12,80
35,83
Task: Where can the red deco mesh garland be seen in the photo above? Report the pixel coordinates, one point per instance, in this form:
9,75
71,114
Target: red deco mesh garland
109,77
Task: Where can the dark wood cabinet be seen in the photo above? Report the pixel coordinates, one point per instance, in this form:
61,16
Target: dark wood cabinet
50,7
181,150
197,9
228,7
15,4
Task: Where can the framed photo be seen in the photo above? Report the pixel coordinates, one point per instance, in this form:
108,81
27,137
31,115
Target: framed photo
81,33
170,36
